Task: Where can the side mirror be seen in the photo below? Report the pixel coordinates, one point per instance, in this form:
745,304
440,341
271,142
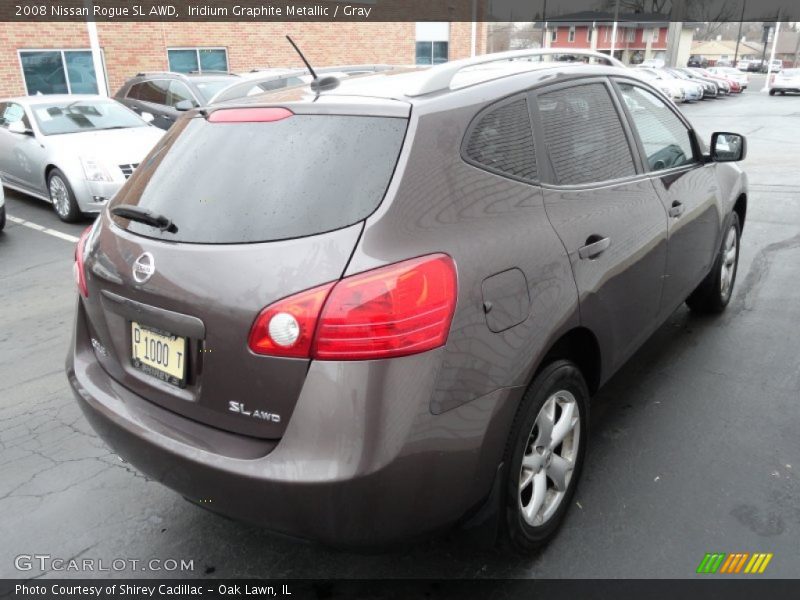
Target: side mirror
728,147
19,127
146,116
184,105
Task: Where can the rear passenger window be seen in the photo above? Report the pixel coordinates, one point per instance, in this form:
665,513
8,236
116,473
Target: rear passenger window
501,141
584,136
149,91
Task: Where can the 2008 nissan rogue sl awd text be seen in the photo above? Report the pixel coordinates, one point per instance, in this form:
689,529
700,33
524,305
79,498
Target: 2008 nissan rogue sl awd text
364,312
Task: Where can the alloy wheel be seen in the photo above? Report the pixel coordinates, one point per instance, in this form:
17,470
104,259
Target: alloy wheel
59,195
728,268
549,459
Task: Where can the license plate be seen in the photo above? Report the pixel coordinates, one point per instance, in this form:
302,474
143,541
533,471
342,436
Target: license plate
159,354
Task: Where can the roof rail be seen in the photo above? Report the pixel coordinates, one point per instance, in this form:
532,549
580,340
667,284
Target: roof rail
440,77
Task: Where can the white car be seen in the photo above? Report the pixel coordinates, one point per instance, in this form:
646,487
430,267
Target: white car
2,207
730,73
653,63
743,65
671,86
787,80
74,151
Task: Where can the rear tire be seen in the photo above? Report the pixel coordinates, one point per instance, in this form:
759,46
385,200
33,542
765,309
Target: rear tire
62,197
772,92
715,291
545,455
2,216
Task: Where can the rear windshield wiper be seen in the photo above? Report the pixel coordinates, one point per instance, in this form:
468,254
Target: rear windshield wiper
142,215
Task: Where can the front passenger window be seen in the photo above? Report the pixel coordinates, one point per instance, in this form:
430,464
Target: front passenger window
665,138
178,92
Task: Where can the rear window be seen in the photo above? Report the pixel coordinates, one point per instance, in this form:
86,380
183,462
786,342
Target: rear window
225,183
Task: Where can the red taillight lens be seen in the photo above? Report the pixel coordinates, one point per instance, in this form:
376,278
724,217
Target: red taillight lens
78,269
286,328
249,115
397,310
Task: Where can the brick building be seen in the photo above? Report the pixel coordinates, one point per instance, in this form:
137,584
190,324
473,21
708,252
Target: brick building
634,43
54,57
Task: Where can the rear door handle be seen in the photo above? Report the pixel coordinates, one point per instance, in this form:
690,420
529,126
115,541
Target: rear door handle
595,246
676,210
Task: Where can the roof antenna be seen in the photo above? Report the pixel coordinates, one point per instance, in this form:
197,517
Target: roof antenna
318,85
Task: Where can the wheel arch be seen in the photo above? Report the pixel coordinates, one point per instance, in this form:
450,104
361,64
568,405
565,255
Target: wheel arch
740,208
580,346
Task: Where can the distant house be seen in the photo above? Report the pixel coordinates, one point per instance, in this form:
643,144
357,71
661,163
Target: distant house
787,48
717,50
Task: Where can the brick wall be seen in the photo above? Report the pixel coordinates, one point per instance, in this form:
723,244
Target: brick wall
133,47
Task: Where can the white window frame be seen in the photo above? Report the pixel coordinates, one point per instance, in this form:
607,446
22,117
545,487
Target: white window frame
554,35
656,34
571,34
103,81
197,55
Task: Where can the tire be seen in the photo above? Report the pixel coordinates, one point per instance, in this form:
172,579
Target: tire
62,197
2,216
531,455
772,92
715,291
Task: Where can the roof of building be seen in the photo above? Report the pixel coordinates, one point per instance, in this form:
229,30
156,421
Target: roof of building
787,42
723,47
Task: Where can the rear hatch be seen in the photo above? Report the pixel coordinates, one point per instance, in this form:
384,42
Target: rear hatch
260,209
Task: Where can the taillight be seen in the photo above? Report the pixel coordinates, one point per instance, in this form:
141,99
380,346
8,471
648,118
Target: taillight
396,310
286,328
249,115
78,269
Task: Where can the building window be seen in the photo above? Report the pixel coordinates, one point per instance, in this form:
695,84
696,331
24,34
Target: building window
589,33
571,35
605,34
197,60
433,41
554,34
656,31
631,35
58,71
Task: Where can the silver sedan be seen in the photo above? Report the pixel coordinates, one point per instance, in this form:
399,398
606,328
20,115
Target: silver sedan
74,151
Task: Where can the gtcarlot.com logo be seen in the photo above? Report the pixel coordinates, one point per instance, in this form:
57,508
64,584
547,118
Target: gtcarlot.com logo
737,562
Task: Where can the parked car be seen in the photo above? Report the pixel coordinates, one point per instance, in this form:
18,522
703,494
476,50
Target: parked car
723,83
786,80
757,66
743,65
71,150
730,73
709,88
291,315
668,86
653,63
774,66
733,85
163,97
2,207
697,61
257,83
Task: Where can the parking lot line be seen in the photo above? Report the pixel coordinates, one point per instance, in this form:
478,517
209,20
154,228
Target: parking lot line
47,230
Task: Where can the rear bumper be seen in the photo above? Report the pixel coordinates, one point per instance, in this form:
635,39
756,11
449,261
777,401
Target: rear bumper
362,461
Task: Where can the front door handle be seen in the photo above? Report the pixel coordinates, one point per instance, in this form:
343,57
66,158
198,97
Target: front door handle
676,210
595,246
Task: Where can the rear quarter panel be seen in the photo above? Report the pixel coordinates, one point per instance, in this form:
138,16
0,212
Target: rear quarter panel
488,224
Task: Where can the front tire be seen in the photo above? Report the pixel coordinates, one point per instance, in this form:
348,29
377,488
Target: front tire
715,291
545,455
62,197
772,92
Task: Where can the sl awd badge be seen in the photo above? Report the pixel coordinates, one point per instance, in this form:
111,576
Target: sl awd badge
238,407
144,267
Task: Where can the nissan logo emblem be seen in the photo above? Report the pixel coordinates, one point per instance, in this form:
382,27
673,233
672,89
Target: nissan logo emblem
144,267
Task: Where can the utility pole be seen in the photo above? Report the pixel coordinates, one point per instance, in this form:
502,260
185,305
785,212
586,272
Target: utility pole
772,54
614,29
674,32
739,36
97,56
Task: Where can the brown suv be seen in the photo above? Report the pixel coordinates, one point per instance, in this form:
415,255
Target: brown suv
362,314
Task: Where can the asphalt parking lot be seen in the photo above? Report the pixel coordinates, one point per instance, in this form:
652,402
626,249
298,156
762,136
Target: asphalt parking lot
694,444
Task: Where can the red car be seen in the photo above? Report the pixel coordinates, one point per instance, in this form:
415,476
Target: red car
735,86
